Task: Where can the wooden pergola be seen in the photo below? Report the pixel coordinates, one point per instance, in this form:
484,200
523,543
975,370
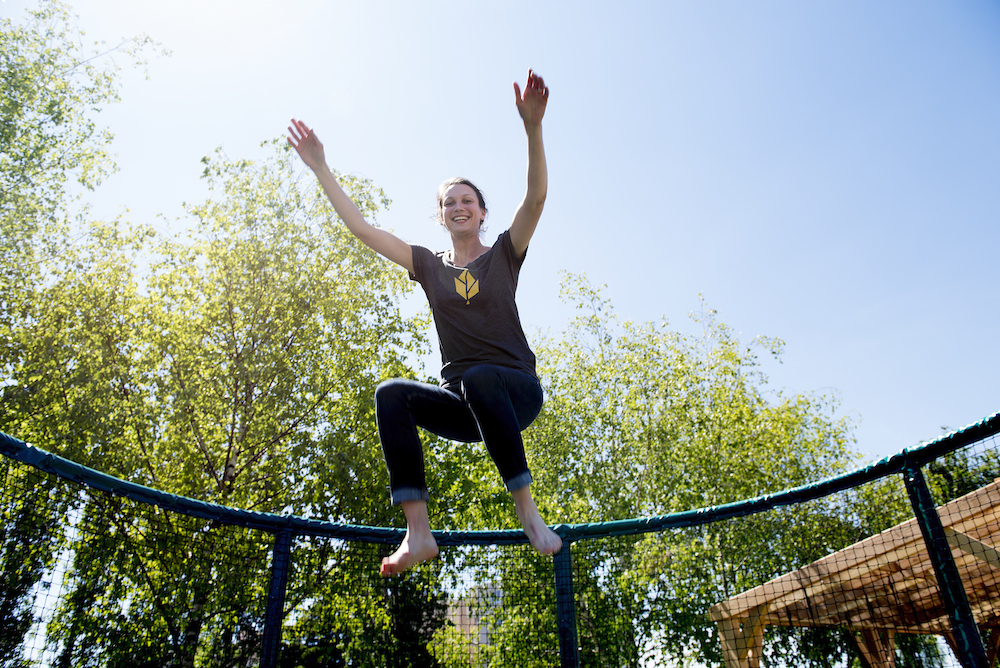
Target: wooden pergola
878,587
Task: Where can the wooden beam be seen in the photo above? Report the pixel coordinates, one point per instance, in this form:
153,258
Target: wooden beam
828,573
969,514
835,598
973,547
742,638
877,647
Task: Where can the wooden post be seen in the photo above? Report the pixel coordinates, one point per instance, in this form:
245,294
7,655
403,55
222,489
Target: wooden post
742,638
877,647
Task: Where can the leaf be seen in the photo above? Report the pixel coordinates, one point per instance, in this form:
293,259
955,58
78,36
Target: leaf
466,286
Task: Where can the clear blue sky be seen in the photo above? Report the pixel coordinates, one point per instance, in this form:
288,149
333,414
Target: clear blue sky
823,172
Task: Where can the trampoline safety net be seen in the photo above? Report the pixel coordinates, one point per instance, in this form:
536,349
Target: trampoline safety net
894,564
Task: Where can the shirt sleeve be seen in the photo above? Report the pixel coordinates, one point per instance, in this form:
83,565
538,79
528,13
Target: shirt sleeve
420,259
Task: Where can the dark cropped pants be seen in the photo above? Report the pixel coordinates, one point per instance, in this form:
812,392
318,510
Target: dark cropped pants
495,404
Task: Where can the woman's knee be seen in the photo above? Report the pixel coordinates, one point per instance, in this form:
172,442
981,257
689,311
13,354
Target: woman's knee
387,387
395,388
391,395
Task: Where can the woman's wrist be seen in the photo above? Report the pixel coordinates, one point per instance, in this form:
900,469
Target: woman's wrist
322,170
533,130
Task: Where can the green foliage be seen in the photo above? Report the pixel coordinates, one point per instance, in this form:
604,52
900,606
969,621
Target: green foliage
960,472
690,418
240,370
502,609
74,381
273,327
237,364
237,367
349,615
148,588
917,651
644,420
51,85
30,536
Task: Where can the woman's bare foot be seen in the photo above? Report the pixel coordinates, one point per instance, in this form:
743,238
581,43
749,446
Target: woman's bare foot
543,539
412,551
418,544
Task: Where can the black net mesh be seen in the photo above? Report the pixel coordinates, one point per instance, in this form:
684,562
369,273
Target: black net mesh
96,579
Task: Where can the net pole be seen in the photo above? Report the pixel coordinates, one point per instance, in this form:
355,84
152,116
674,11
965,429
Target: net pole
569,653
280,562
968,643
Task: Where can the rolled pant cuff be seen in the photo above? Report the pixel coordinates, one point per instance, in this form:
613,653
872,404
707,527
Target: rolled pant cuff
408,494
518,481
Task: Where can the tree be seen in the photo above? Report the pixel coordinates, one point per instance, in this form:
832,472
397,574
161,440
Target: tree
30,535
237,365
51,89
239,370
643,420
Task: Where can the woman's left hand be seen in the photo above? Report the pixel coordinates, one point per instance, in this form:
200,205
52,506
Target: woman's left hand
531,103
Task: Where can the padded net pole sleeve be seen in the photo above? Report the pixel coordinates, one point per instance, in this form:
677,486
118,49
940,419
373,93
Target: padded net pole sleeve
968,643
280,562
569,653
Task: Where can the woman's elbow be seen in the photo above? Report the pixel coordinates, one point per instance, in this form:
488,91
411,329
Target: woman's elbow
537,200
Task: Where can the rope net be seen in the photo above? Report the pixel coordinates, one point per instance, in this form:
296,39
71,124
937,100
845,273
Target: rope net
94,577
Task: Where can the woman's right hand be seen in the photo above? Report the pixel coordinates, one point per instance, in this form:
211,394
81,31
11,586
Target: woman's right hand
306,144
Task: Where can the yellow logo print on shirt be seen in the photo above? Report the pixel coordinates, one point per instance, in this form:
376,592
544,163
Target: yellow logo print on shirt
466,286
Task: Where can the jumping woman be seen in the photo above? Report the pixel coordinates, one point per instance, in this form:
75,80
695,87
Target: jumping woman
489,390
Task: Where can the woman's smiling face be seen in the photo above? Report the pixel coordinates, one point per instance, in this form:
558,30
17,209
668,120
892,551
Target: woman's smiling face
460,210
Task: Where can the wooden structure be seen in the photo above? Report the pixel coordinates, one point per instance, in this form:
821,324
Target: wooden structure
878,587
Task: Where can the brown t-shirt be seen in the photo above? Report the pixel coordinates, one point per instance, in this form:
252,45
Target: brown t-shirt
474,309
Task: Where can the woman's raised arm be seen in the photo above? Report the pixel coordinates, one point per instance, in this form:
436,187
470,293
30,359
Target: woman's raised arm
310,149
531,106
